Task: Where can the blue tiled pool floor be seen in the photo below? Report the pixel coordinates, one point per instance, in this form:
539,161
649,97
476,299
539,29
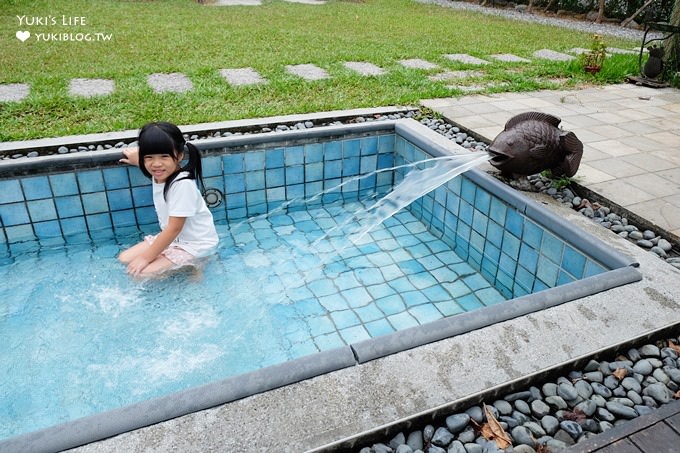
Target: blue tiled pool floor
330,292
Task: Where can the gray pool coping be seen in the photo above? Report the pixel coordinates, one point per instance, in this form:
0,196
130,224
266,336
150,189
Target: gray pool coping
130,135
107,424
96,158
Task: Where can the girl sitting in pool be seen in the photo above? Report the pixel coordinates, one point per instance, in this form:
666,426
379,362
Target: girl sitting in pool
187,228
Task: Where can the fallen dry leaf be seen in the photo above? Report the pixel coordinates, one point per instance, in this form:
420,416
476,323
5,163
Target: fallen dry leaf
492,430
620,373
576,415
675,347
676,395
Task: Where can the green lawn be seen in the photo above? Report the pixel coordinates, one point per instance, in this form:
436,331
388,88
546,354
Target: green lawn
163,36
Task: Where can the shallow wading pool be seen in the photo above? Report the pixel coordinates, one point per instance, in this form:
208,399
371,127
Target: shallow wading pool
91,353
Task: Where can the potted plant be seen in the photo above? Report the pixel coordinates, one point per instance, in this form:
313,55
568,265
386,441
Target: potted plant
592,59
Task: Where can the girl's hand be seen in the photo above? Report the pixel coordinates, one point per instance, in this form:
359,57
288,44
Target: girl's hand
131,156
137,265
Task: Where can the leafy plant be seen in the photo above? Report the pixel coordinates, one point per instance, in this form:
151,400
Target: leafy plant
559,182
593,59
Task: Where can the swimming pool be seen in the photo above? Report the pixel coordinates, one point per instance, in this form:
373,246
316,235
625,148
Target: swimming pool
468,254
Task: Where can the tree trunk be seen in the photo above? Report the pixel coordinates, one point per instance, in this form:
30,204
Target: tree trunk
642,8
600,12
672,45
547,8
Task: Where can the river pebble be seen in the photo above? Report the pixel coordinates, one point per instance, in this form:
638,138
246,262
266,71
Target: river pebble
540,417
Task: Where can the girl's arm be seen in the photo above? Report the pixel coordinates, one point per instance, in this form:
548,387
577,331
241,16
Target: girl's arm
163,240
131,156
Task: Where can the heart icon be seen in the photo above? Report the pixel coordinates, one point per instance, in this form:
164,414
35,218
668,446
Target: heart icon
23,35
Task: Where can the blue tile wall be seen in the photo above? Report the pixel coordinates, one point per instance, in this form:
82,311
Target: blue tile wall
513,253
254,182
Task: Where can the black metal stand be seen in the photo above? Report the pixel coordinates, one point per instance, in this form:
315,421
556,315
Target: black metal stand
667,31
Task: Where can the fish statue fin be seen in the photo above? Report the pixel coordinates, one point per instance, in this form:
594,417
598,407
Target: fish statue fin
540,151
573,151
532,116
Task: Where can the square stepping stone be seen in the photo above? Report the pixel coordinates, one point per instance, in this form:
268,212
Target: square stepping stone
465,58
175,82
367,69
508,57
242,76
621,51
307,71
578,50
467,88
91,87
548,54
14,92
451,75
236,3
417,63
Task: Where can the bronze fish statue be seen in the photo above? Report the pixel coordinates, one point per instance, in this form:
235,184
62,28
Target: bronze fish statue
531,142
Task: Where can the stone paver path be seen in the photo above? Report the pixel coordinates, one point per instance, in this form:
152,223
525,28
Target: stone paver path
14,92
548,54
180,83
452,75
465,58
307,2
417,63
624,51
236,3
630,135
91,87
174,83
242,76
363,68
508,57
307,71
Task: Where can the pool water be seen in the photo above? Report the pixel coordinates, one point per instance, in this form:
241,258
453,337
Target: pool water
92,339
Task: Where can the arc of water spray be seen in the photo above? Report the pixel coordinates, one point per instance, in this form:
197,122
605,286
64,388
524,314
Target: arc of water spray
303,200
416,183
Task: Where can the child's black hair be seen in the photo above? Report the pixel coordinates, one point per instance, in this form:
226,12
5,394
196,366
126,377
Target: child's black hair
165,138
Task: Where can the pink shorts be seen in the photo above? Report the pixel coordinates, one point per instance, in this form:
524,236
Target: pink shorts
177,256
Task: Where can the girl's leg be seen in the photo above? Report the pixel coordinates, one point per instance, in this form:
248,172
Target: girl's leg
133,252
158,266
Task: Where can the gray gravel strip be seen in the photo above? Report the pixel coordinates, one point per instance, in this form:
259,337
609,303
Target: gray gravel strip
589,27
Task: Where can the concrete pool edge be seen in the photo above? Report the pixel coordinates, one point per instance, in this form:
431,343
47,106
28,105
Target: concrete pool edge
128,418
94,158
249,123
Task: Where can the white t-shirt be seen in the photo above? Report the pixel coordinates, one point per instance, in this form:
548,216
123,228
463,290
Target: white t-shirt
198,236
